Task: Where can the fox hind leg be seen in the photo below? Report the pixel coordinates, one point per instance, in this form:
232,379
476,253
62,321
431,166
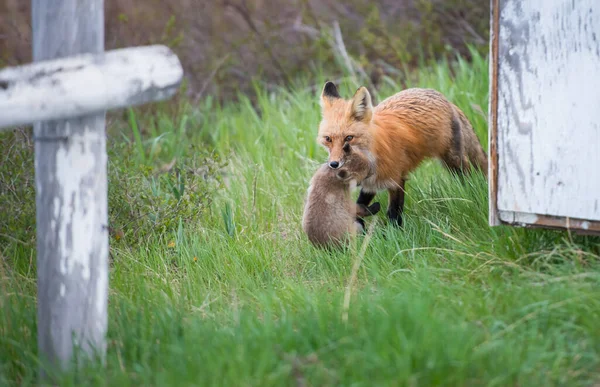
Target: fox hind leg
454,159
466,153
474,151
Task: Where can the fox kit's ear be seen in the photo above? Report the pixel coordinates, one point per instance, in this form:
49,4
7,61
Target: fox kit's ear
329,94
362,107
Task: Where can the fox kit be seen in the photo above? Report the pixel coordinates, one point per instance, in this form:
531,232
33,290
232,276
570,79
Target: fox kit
330,215
396,136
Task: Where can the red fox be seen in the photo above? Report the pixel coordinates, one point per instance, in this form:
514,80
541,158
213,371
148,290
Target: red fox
330,215
396,136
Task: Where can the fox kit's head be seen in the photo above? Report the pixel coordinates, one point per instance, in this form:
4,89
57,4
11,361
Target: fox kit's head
344,123
356,167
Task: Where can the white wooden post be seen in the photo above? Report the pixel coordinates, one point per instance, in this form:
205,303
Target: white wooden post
71,195
66,100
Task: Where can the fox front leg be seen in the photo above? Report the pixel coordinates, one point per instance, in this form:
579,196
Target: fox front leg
363,210
365,198
396,204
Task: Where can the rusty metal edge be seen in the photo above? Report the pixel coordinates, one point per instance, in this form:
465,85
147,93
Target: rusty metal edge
493,218
579,226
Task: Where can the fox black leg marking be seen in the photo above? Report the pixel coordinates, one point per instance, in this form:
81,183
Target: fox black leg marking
374,208
455,160
456,137
365,198
396,205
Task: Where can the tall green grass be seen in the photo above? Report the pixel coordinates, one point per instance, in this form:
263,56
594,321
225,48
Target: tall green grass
238,296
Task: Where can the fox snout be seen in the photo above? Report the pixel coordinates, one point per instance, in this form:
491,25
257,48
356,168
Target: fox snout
337,158
335,164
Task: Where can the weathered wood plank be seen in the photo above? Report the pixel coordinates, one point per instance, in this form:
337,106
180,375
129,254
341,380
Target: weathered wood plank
493,111
580,226
71,196
86,84
548,124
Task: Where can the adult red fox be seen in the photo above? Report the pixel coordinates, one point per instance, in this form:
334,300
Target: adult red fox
396,135
330,215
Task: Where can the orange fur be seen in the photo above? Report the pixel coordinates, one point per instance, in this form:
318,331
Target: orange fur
398,134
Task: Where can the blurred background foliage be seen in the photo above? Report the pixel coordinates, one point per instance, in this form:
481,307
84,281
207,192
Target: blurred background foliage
232,51
226,45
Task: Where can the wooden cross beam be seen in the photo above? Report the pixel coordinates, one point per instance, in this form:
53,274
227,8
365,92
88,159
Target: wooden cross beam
87,84
66,100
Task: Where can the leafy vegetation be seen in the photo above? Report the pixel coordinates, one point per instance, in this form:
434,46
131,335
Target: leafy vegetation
226,46
235,295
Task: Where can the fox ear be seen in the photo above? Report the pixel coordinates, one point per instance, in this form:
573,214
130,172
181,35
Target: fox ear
362,107
330,92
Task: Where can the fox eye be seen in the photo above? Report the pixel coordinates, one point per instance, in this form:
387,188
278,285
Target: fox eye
327,138
349,138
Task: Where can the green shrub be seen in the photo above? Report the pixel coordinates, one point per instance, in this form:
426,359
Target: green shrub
226,45
156,180
17,189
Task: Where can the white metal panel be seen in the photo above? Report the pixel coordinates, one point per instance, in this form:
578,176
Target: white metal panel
548,118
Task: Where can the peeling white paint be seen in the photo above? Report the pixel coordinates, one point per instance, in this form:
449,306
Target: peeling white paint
101,292
517,217
87,84
70,154
77,215
38,186
585,225
548,99
56,207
